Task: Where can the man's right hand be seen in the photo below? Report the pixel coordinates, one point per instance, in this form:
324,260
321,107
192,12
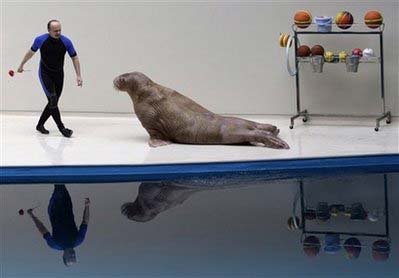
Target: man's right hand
20,69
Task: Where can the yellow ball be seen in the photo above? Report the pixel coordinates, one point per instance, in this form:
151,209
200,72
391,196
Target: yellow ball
342,56
329,56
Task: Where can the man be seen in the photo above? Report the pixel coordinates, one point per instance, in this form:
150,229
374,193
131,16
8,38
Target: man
65,236
53,47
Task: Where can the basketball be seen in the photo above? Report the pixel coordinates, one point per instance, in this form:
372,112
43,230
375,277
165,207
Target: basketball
303,19
373,19
344,20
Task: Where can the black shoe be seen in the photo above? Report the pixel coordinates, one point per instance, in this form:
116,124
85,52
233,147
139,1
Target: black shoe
66,132
41,129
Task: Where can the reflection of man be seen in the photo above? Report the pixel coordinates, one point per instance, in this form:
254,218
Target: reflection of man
154,198
65,234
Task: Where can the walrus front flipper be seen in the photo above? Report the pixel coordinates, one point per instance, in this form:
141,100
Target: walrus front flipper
155,142
269,140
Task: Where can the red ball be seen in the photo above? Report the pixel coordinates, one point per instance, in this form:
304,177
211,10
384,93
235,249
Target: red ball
357,52
303,51
11,73
21,212
317,50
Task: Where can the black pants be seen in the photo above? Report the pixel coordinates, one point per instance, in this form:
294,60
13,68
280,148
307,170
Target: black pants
62,219
52,83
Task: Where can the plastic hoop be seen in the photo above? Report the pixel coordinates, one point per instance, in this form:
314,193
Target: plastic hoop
287,57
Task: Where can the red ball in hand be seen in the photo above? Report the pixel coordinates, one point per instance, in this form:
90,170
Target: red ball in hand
21,212
11,73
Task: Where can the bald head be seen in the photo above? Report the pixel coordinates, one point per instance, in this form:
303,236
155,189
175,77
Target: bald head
54,28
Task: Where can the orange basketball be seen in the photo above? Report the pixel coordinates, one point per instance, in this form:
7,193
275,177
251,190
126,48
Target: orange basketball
344,20
373,19
302,19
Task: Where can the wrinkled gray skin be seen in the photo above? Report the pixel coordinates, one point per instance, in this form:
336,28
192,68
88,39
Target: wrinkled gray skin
168,117
154,198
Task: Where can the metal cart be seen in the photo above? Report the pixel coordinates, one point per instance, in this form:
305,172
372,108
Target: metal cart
300,221
299,32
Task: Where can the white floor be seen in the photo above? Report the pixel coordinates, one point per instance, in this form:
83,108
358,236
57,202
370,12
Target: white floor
120,139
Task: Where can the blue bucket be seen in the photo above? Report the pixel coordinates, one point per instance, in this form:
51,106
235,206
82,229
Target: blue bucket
324,23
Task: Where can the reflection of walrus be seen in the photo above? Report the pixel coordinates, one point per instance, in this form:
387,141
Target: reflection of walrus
171,117
154,198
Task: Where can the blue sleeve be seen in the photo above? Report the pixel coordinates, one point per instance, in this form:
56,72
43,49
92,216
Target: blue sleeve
37,43
50,241
81,234
69,46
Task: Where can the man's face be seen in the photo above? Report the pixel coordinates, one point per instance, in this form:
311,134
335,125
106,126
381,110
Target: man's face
55,30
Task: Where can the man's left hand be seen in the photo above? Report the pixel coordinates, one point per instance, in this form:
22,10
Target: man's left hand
79,81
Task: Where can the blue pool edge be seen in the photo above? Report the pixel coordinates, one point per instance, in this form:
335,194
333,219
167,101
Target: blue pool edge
273,169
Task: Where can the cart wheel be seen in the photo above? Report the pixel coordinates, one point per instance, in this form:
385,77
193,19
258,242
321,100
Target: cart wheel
304,120
376,129
291,126
388,121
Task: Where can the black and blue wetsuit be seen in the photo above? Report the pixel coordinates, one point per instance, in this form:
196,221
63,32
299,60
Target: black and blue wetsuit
65,233
51,72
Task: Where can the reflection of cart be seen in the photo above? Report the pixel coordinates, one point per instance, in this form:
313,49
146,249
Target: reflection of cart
323,214
318,68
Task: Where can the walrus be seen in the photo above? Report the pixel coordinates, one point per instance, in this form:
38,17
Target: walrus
170,117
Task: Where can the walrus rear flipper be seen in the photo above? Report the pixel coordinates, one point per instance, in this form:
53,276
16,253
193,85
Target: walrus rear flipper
155,142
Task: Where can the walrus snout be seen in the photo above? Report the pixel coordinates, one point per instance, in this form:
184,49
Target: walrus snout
131,81
133,211
119,83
